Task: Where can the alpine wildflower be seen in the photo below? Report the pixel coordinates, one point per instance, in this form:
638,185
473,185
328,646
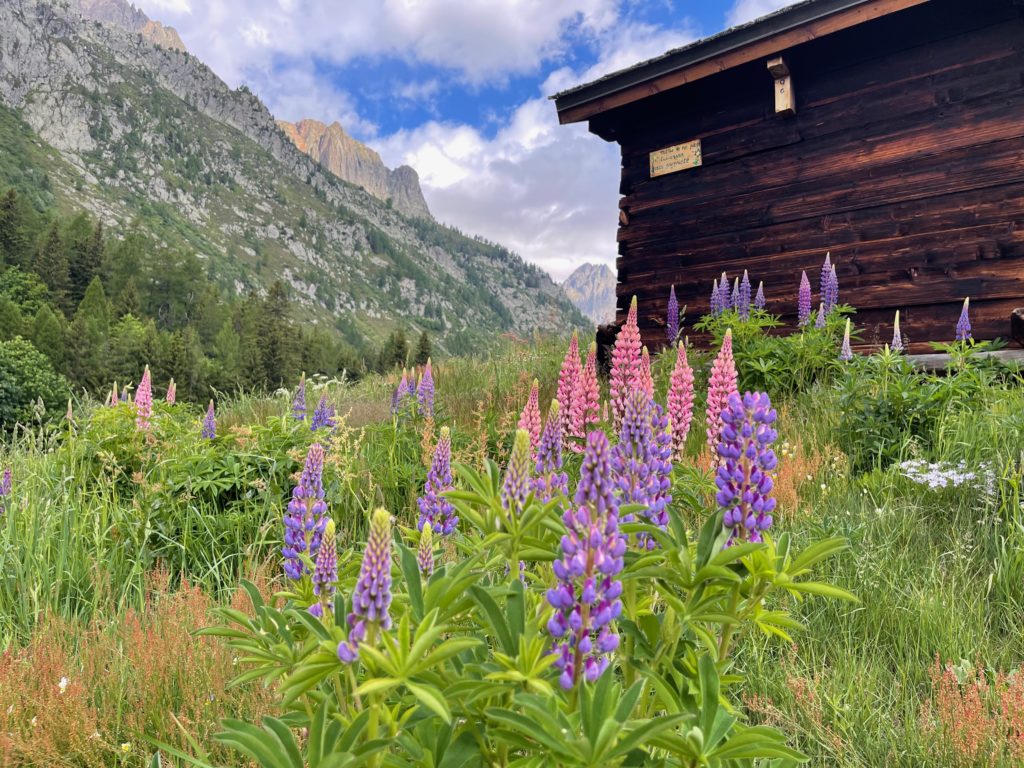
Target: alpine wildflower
209,423
325,572
425,390
172,392
436,512
529,419
680,401
759,298
744,476
672,319
371,600
550,481
323,415
516,485
845,353
144,401
721,385
299,401
897,337
306,516
585,408
963,325
803,304
425,552
626,362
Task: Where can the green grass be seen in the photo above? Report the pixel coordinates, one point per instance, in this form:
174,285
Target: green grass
939,573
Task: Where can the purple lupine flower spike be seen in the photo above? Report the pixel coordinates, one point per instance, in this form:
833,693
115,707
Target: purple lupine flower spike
371,600
323,415
326,572
819,320
306,516
425,552
734,299
803,304
845,352
5,489
672,320
744,477
832,298
724,294
897,337
759,298
550,481
210,423
716,304
299,402
516,486
436,511
963,325
743,306
642,462
824,279
586,598
425,391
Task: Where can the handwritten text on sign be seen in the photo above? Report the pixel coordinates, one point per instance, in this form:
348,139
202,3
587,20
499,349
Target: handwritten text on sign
675,158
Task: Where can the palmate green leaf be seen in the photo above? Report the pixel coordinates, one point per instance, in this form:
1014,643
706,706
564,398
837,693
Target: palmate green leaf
815,553
443,652
529,732
637,737
495,618
431,698
377,685
259,744
308,677
709,693
411,574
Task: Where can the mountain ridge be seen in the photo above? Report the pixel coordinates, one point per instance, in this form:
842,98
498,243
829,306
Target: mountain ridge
147,133
591,287
357,163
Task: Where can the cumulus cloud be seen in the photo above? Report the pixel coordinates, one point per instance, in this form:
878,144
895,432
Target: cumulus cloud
743,11
547,191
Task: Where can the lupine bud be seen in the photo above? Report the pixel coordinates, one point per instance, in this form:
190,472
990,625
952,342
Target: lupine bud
824,278
759,298
626,361
425,391
743,305
642,462
746,463
845,353
897,337
569,383
306,516
529,419
114,400
644,380
819,321
550,480
326,571
672,320
125,397
734,299
516,486
963,325
425,552
716,303
720,386
209,423
372,597
585,400
323,415
803,304
5,489
680,401
144,401
586,598
172,392
436,511
299,401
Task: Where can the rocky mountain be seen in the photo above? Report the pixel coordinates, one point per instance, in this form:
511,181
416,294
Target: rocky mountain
591,287
127,16
143,135
351,160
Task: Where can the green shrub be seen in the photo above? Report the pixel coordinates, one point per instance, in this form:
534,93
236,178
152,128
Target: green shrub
27,379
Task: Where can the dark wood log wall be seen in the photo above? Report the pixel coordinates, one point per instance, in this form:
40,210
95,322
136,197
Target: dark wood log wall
905,160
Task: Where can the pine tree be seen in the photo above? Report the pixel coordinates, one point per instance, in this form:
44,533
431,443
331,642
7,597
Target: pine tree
89,339
423,349
51,264
14,238
48,337
85,256
11,321
278,341
227,358
128,301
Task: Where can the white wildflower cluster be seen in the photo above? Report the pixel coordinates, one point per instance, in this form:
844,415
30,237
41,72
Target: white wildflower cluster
946,474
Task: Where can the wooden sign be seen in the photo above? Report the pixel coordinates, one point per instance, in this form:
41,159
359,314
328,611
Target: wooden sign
675,158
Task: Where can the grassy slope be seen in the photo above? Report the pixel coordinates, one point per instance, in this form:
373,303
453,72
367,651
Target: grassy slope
938,573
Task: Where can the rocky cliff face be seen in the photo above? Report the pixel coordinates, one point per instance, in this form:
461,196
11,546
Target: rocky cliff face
126,16
134,131
591,287
353,161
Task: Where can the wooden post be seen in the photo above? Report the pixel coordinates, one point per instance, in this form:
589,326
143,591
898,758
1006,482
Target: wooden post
785,99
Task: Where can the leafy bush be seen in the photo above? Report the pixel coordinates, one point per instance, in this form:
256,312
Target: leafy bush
27,379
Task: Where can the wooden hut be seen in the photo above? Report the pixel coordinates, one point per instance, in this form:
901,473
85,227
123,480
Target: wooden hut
888,132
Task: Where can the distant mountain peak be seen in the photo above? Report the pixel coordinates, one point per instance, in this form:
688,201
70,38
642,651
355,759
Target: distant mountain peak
591,287
126,16
351,160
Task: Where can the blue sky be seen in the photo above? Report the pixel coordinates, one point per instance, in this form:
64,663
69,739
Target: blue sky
458,90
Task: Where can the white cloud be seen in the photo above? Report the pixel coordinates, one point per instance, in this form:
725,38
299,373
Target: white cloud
547,191
747,10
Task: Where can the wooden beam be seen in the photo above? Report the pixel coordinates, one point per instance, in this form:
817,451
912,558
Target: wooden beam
769,46
785,99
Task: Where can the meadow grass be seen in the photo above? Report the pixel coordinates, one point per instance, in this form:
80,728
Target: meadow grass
99,510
